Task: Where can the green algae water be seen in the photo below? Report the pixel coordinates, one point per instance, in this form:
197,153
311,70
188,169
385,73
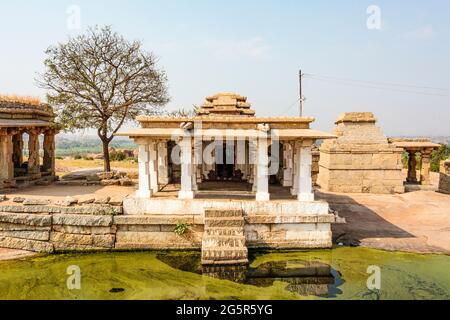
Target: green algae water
325,274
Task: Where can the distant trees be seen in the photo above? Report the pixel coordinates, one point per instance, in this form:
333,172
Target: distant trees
99,80
438,155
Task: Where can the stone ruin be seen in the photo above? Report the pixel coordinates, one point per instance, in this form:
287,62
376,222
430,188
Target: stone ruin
361,159
444,180
18,118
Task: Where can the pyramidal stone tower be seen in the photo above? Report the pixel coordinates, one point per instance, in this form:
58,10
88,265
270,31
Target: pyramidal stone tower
361,159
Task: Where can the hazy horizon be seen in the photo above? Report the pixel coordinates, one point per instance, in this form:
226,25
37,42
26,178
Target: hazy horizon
256,49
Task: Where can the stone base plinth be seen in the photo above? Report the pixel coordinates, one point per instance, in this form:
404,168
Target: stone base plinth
444,183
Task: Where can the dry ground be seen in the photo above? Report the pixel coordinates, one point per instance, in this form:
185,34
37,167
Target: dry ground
69,165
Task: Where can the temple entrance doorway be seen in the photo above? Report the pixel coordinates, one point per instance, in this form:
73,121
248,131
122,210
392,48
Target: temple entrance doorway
225,162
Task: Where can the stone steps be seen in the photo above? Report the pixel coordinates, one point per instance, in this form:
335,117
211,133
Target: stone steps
227,231
224,255
223,242
223,213
224,222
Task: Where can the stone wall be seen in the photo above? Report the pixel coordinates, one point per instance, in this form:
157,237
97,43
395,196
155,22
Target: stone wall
94,227
360,160
444,180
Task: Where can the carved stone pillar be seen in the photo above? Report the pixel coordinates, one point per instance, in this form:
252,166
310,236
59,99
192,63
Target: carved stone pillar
305,192
163,163
412,164
34,167
18,150
153,166
425,169
287,164
145,190
296,145
262,172
49,152
186,191
6,160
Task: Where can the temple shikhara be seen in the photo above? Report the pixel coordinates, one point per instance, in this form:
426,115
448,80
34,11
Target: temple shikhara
19,118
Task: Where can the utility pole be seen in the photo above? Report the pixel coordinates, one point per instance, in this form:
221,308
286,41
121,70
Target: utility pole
301,93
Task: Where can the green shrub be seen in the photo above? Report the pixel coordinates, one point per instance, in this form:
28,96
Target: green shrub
181,228
117,156
439,155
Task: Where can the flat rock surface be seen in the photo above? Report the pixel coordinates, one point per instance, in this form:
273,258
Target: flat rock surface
12,254
415,222
55,192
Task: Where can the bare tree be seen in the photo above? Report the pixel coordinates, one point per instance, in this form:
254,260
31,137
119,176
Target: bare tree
99,80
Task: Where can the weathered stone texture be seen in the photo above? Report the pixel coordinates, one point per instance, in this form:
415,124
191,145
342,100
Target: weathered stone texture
26,244
82,220
360,160
444,180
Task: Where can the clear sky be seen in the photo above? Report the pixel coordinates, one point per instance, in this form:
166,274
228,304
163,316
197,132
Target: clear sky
255,48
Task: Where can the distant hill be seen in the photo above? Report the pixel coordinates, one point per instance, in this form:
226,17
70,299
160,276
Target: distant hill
67,145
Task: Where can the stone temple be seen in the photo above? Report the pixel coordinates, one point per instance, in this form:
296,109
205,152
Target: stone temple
246,180
19,119
361,159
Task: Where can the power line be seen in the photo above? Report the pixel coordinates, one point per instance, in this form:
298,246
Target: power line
363,85
310,75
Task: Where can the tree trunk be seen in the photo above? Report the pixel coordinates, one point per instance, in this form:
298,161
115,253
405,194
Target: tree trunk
106,161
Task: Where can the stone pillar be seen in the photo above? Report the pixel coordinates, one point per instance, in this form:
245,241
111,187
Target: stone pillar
197,163
425,169
49,152
18,150
262,172
253,160
296,145
412,165
6,159
153,166
163,163
186,191
287,164
34,167
305,192
144,190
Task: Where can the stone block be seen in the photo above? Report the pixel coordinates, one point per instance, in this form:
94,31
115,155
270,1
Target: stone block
84,229
116,201
18,199
101,199
82,220
26,219
25,244
85,199
30,235
36,202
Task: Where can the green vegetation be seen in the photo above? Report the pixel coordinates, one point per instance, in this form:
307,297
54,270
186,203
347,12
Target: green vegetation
100,80
436,157
181,228
439,155
150,276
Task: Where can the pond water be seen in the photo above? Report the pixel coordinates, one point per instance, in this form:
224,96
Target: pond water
340,273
